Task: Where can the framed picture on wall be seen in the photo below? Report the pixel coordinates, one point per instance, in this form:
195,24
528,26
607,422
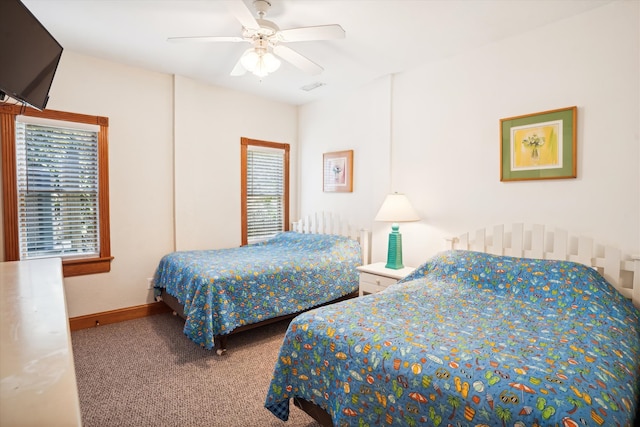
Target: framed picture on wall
539,146
337,172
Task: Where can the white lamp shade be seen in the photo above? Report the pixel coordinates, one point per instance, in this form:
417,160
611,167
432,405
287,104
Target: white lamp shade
259,63
250,60
270,61
396,208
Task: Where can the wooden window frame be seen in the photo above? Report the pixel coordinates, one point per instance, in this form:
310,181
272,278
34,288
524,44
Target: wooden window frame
245,143
70,267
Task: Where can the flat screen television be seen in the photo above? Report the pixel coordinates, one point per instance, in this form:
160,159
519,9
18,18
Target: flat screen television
29,55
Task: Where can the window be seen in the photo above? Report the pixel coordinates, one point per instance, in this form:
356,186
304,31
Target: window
265,189
56,200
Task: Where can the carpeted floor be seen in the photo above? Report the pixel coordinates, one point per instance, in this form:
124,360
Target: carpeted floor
145,372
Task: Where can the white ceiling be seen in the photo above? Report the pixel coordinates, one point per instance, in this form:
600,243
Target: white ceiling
382,36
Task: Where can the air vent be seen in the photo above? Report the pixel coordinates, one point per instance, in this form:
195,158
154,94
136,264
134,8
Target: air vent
312,86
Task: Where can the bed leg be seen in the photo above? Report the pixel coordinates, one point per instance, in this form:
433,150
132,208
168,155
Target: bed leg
221,341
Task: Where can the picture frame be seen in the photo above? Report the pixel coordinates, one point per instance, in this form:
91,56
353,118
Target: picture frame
337,172
539,145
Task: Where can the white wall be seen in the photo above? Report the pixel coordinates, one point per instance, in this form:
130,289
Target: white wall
445,135
138,104
358,121
209,122
170,186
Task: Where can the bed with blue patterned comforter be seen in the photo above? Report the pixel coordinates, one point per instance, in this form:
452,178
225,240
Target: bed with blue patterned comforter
469,339
225,289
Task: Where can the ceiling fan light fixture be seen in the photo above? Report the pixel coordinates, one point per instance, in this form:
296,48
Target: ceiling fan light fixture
259,62
267,40
270,62
250,59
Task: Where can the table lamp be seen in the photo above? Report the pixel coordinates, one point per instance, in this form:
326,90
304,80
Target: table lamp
396,208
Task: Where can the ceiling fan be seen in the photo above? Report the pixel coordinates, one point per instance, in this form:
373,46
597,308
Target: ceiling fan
267,40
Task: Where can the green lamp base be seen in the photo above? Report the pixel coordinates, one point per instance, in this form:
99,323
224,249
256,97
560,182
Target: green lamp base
394,251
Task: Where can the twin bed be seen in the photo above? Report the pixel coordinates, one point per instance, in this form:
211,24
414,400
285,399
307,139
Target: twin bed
475,339
225,291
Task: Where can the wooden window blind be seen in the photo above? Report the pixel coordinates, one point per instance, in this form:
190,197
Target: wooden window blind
57,176
265,190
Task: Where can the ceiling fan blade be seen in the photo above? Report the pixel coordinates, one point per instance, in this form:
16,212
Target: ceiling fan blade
300,61
202,39
320,32
242,14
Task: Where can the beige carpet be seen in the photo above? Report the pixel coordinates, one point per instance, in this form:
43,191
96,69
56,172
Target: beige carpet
145,372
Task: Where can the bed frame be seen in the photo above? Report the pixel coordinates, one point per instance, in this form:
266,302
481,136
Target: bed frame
221,340
319,223
328,223
536,241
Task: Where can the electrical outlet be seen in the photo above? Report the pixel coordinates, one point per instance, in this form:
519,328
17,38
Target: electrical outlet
149,283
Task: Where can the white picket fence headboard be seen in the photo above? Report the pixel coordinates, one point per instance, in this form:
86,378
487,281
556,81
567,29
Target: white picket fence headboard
536,241
331,223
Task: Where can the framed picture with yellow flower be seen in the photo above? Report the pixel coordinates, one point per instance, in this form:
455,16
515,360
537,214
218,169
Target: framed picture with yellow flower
337,171
539,146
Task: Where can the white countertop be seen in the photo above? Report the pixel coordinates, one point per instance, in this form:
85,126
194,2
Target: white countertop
37,374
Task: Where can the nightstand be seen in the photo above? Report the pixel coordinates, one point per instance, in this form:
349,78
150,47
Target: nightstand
375,277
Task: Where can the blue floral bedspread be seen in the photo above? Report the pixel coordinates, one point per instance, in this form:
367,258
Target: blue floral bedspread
228,288
469,339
